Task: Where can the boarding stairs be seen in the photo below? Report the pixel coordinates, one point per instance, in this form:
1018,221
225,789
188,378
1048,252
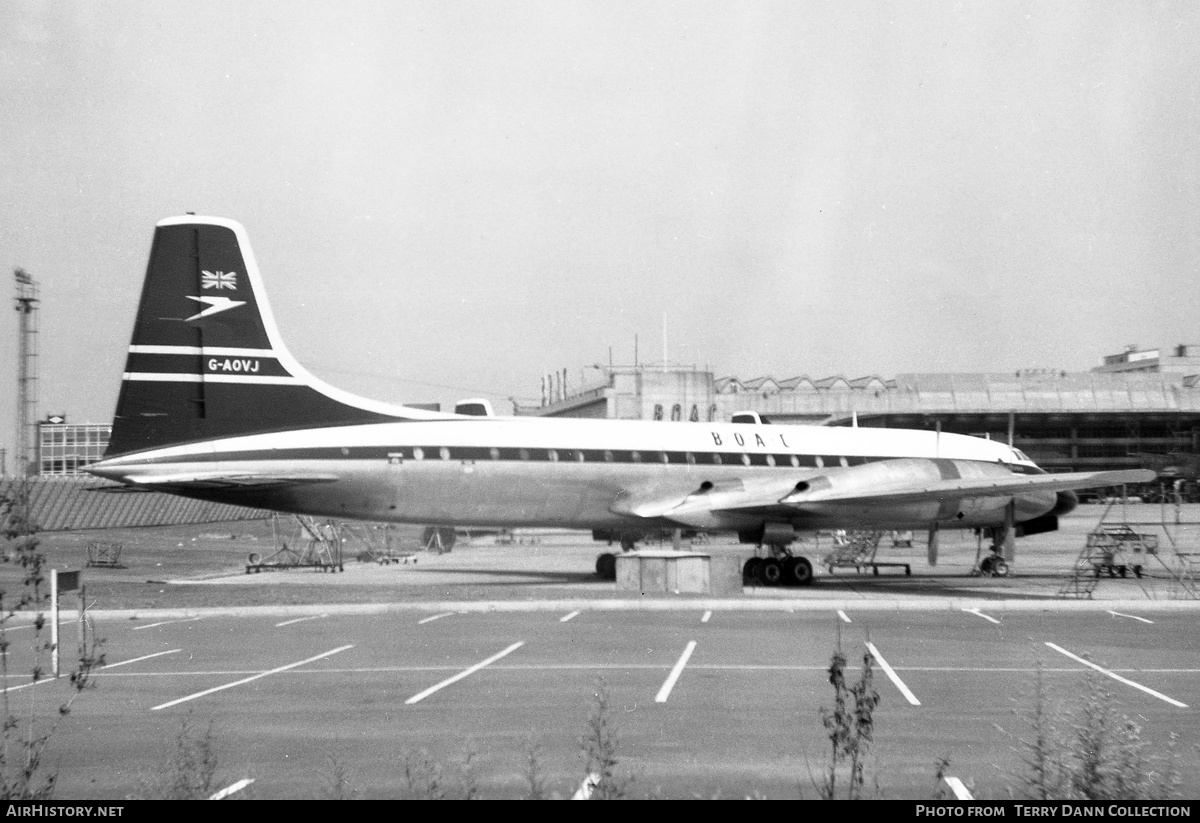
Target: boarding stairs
1120,547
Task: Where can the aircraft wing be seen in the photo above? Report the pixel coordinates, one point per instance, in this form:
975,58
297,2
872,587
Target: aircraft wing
785,498
226,480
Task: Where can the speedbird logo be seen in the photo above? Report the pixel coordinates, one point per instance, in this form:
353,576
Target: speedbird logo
218,280
214,304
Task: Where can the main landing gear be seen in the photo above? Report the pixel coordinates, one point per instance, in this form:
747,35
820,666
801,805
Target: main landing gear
606,563
779,568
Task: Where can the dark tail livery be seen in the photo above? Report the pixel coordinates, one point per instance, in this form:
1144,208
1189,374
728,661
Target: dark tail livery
207,360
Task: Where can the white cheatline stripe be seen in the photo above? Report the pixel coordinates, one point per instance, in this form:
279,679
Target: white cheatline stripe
961,792
842,614
252,678
665,691
236,787
978,613
168,622
1130,616
883,664
434,617
416,698
1117,677
300,620
567,617
706,617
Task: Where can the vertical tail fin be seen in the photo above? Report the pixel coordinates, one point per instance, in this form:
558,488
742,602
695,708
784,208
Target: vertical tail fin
206,358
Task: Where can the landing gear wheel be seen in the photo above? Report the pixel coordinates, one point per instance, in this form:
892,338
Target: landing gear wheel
770,572
750,570
994,566
1137,572
627,543
606,566
797,571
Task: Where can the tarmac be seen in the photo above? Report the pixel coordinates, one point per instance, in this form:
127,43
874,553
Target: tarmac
552,571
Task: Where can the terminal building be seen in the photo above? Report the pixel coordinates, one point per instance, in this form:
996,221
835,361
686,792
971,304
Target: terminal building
1134,410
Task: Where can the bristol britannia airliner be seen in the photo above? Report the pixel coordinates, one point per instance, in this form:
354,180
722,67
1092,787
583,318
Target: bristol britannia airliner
213,406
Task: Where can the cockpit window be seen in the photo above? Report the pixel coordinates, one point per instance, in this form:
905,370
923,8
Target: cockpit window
1021,456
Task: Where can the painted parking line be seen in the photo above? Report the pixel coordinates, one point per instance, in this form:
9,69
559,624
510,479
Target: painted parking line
252,678
105,667
416,698
432,618
1130,616
707,616
890,672
1118,677
231,789
665,691
978,613
167,623
300,620
961,792
843,616
565,618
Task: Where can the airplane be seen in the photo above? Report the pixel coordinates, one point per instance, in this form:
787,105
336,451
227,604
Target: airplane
213,406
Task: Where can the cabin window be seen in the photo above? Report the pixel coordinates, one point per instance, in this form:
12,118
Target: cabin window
494,452
444,453
716,459
524,453
553,455
745,460
579,456
663,456
636,457
770,460
843,461
691,459
820,462
608,456
795,461
695,415
418,453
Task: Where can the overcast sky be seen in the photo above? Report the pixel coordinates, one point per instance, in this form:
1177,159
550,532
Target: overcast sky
448,198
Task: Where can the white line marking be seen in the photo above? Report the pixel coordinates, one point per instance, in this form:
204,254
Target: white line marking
300,620
434,617
252,678
584,792
416,698
883,664
1118,677
978,613
104,667
46,624
167,623
138,659
706,617
961,792
565,618
1130,616
842,615
665,691
236,787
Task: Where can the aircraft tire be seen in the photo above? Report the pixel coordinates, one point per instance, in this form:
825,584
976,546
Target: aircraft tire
770,572
797,571
606,566
750,570
999,568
